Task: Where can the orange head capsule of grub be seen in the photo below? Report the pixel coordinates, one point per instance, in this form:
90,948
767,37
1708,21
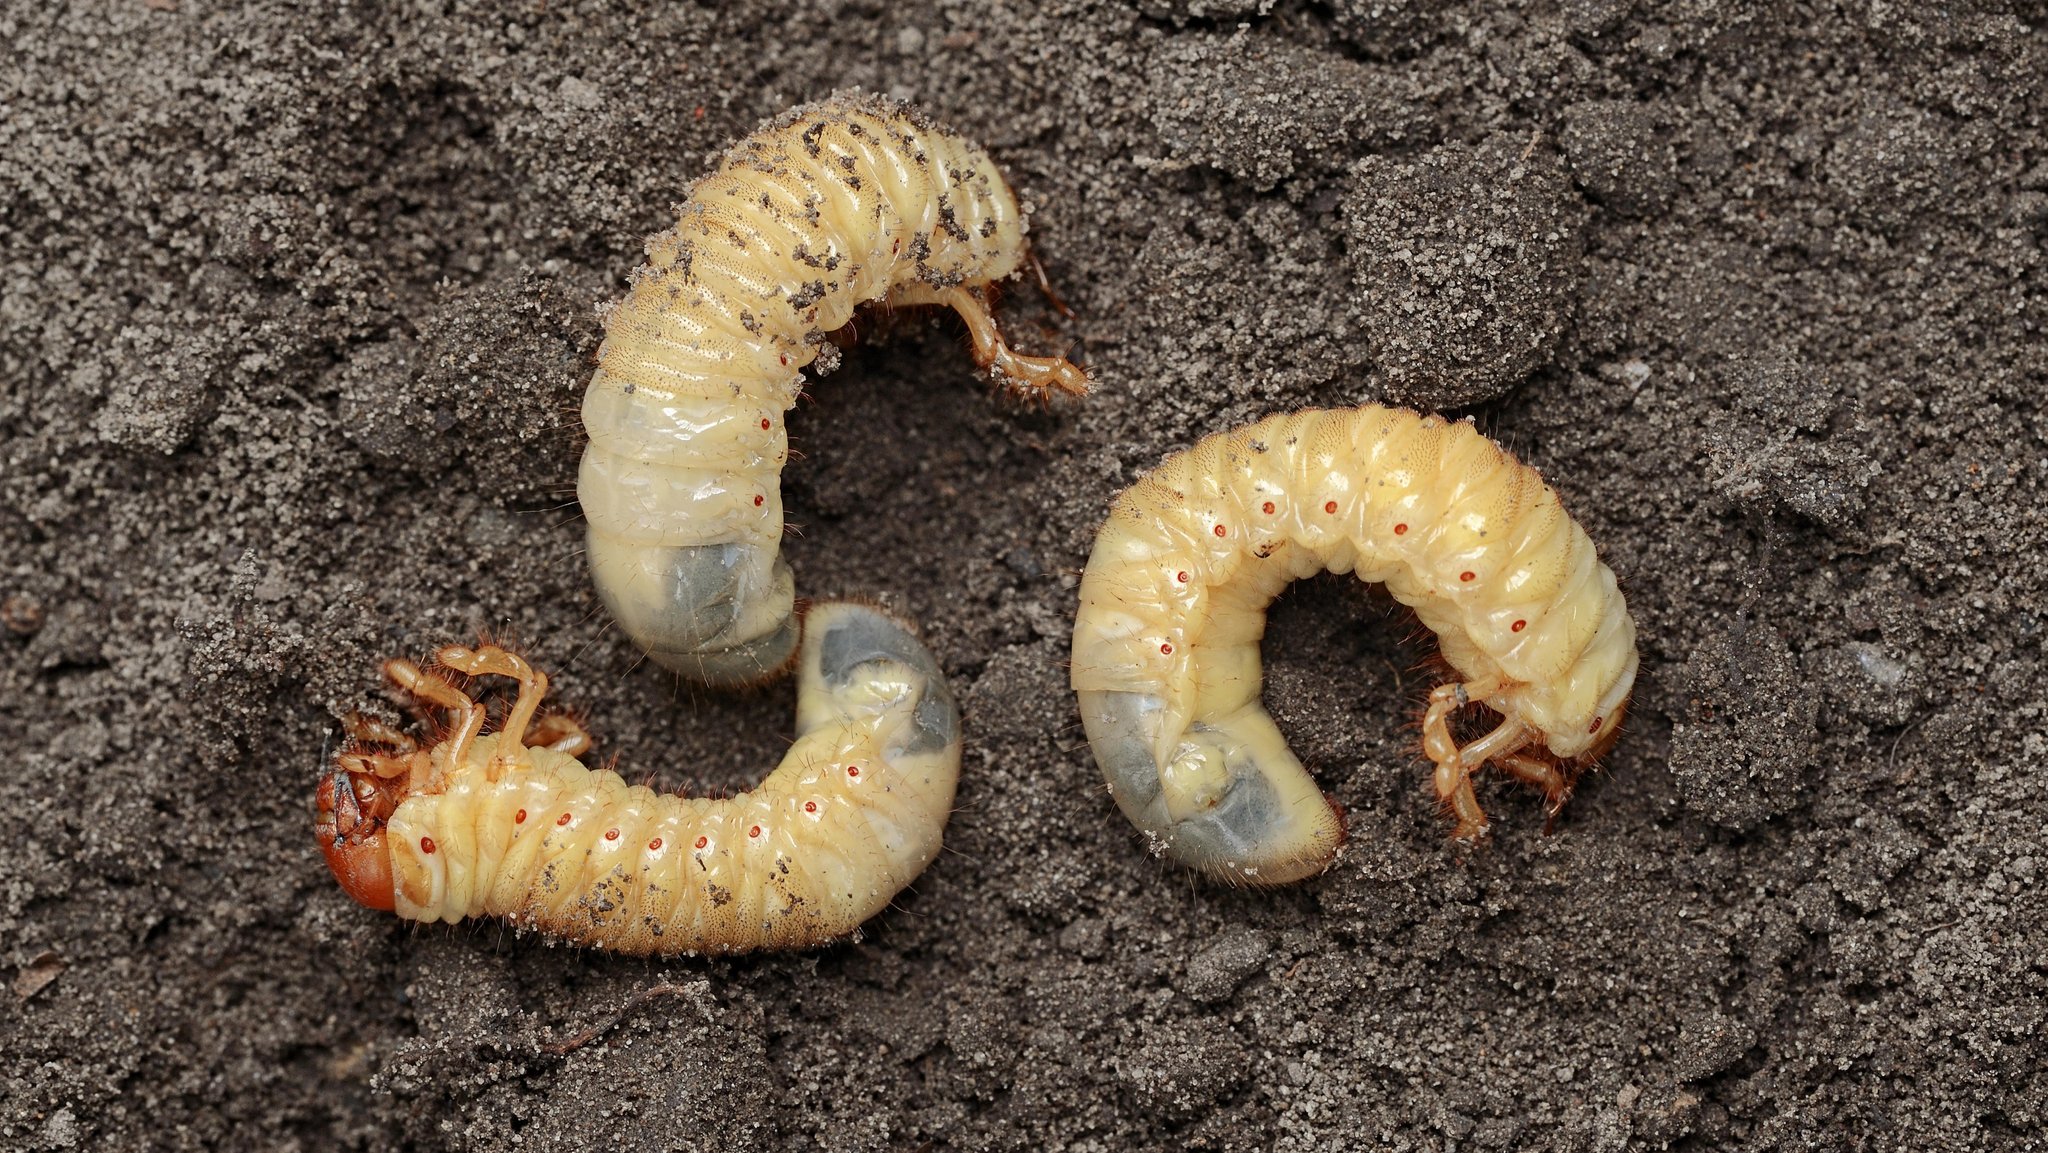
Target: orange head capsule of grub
351,836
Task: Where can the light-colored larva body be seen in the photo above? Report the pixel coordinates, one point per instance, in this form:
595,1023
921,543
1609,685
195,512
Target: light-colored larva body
488,825
849,201
1173,604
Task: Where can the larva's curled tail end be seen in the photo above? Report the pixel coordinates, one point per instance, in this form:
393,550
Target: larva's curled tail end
1285,853
1291,869
857,655
1231,801
1309,859
843,635
722,615
744,666
1343,820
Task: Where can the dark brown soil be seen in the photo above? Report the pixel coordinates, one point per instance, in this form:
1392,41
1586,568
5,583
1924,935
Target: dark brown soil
296,305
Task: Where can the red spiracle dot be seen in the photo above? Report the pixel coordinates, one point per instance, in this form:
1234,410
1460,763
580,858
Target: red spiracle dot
1221,531
611,834
427,845
1518,626
654,846
1400,529
755,831
784,358
1330,506
1595,726
759,500
810,806
703,841
764,424
853,770
1465,576
563,819
1267,508
1166,650
1181,577
519,818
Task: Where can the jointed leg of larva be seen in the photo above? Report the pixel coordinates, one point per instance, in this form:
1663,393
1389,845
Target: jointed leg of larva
1545,775
1038,376
1455,766
364,732
556,731
371,731
490,660
466,715
1045,288
560,732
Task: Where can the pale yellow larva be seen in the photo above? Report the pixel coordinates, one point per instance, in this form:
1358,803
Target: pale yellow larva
852,200
512,825
1173,604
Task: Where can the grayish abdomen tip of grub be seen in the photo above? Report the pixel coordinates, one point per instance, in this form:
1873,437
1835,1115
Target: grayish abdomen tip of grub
855,635
705,600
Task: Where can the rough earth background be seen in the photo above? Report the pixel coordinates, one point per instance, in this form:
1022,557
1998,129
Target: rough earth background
296,306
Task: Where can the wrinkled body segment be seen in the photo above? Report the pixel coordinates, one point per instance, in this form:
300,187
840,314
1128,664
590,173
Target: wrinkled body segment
850,201
512,825
1166,643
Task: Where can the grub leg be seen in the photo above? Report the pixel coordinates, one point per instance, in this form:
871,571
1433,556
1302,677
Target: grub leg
1546,775
1037,377
1507,738
383,766
364,730
560,732
361,754
490,660
1453,774
1454,765
1045,289
466,717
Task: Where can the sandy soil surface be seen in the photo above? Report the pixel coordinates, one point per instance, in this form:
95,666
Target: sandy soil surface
295,311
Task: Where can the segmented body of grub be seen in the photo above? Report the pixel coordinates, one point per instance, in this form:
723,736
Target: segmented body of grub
852,200
1173,605
512,825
